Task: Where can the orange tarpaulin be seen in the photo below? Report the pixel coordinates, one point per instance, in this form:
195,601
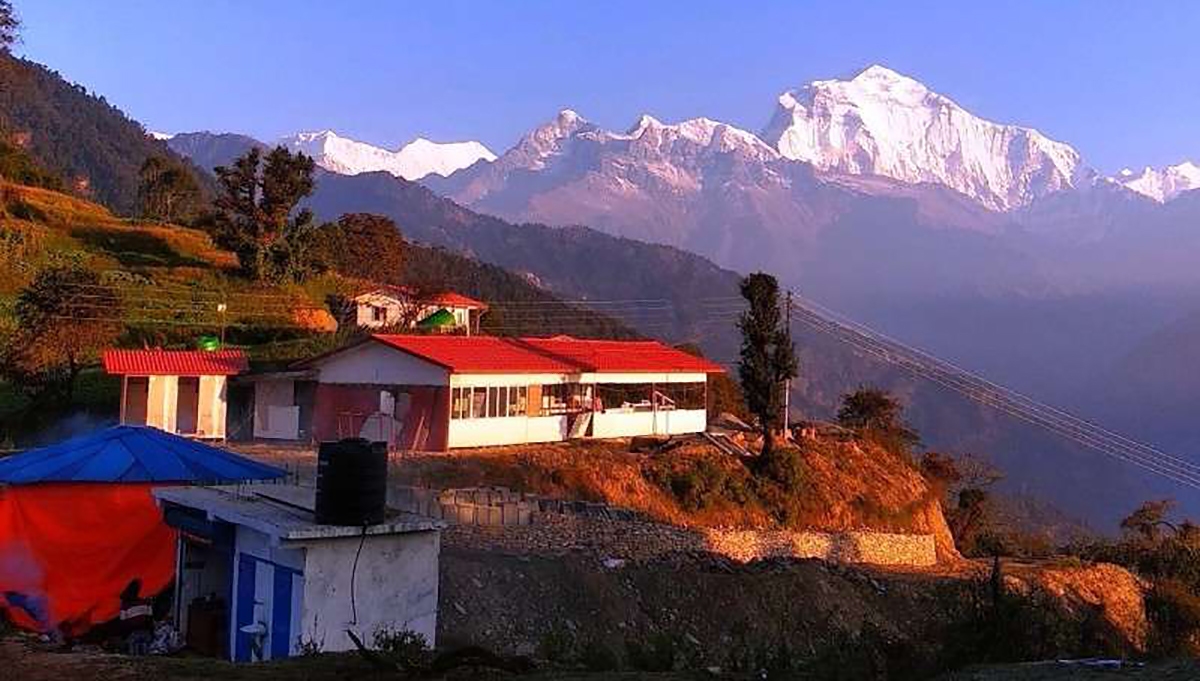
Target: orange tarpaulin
67,550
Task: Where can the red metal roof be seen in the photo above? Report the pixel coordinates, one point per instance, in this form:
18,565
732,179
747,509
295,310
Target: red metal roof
443,299
557,355
452,299
175,362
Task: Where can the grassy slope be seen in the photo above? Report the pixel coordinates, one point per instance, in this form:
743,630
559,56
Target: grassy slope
845,485
171,279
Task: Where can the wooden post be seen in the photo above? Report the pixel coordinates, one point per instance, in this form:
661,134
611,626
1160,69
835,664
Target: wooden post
124,396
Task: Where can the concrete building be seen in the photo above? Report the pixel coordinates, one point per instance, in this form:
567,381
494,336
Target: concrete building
442,392
397,306
177,391
258,579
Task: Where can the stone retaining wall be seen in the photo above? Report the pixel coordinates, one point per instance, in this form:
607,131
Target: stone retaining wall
494,506
635,540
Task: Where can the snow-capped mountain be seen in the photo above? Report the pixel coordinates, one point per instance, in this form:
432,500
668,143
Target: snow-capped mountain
699,184
1161,185
883,123
413,161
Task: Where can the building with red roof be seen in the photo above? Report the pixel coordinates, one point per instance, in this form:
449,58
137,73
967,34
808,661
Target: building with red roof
177,391
438,392
386,306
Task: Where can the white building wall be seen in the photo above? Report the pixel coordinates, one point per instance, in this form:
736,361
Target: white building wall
162,397
373,363
210,419
396,588
276,416
663,422
643,378
510,430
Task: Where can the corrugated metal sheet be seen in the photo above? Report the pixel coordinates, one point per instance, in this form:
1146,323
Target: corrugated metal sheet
175,362
560,354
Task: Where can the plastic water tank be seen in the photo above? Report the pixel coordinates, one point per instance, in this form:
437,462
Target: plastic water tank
352,482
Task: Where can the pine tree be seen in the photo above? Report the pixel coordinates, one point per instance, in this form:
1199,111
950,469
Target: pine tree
257,217
10,26
768,358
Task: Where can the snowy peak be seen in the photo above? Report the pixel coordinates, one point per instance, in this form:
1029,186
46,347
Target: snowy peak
1161,185
413,161
881,122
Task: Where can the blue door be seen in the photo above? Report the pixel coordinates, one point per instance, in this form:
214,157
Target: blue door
244,616
281,614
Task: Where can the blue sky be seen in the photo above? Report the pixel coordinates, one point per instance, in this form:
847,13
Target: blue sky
1118,80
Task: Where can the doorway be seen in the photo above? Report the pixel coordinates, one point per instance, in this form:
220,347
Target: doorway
187,405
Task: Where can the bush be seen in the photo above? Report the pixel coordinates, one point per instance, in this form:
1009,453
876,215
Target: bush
1174,610
706,485
407,649
784,465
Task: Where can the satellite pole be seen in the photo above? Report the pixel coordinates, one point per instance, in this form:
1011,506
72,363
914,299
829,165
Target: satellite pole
787,383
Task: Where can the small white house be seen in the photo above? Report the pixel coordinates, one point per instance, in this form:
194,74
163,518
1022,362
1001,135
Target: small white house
441,392
258,579
391,306
177,391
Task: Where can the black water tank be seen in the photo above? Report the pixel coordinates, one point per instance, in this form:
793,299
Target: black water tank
352,482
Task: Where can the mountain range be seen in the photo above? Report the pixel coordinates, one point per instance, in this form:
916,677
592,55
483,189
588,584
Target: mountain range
990,245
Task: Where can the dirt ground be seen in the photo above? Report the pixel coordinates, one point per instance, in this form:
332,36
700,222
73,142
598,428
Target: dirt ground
24,659
1076,671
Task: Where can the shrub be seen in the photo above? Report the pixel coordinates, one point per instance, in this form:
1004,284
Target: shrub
406,648
1174,610
707,484
784,465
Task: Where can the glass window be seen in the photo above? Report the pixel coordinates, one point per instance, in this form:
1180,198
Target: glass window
493,402
515,401
478,403
460,403
522,400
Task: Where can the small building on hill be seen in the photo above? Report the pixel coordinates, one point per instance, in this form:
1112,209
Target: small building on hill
442,392
177,391
397,306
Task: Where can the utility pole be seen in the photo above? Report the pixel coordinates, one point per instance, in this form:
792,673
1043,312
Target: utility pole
787,383
222,307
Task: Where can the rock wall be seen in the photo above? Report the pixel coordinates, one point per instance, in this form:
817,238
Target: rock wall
639,541
875,548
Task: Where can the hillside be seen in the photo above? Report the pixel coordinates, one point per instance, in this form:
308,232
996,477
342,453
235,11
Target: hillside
170,280
842,485
79,136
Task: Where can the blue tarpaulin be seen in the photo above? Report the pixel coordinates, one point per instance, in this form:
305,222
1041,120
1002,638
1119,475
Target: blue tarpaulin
132,454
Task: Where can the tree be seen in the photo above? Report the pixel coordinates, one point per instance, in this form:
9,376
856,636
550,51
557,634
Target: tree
363,245
1148,520
65,317
166,190
10,26
875,414
964,483
257,217
768,358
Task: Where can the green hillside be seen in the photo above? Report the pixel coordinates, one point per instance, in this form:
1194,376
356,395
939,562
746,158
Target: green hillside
78,136
173,285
